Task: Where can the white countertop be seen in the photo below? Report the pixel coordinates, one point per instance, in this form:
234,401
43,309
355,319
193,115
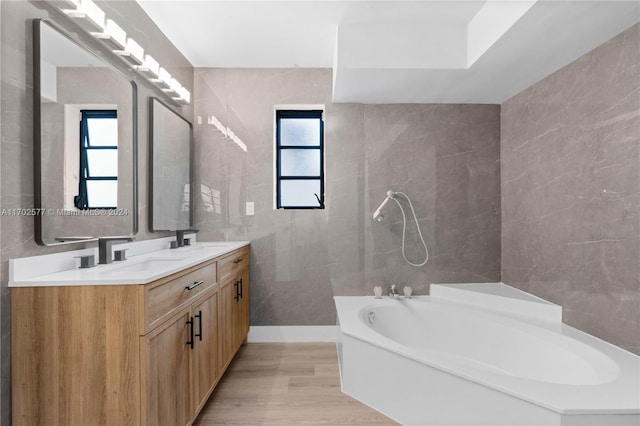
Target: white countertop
144,267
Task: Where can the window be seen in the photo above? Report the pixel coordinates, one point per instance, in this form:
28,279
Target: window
98,187
299,159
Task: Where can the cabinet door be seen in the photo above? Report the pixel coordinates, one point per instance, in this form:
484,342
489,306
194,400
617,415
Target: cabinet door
243,308
205,351
166,358
228,323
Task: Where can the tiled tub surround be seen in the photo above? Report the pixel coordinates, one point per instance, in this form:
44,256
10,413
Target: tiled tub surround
570,156
445,157
482,354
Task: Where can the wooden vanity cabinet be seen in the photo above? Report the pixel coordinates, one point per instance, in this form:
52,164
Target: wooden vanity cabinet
179,364
234,304
122,354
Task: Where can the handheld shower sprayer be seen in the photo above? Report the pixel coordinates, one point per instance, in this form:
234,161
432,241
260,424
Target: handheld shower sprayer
377,216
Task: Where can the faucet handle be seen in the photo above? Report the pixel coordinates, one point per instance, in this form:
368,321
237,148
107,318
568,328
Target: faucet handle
120,255
87,261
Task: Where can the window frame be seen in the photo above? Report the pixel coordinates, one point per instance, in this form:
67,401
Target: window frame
85,147
308,114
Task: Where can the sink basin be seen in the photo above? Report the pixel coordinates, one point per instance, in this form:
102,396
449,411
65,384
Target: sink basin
148,265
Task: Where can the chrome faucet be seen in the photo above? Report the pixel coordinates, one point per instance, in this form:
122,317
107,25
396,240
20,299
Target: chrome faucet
393,292
180,233
104,248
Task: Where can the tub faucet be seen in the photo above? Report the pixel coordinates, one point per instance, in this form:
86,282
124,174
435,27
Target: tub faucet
393,292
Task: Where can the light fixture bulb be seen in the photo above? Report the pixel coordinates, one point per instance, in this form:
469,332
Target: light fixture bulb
151,65
117,34
164,78
66,5
93,12
135,50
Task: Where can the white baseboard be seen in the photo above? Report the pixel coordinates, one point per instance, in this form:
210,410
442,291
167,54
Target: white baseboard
293,333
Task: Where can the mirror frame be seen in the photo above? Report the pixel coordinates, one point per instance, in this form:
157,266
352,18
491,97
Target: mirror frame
150,171
37,136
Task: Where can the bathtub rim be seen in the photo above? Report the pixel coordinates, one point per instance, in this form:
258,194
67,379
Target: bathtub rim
560,398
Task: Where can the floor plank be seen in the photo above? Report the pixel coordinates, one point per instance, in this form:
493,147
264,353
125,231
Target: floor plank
285,384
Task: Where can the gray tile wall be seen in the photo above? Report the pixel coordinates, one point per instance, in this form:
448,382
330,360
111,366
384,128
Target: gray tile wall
445,157
16,153
570,155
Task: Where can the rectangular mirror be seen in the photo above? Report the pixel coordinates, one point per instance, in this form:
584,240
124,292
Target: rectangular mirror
85,142
170,180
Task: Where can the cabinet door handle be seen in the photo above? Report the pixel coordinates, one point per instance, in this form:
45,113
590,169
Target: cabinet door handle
240,288
237,286
194,285
190,322
199,333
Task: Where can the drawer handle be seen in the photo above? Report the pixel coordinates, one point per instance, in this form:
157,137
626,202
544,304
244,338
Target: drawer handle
194,285
238,260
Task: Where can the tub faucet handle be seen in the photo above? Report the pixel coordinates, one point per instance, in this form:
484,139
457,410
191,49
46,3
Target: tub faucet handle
393,292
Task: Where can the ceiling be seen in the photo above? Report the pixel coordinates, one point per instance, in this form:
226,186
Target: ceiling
417,51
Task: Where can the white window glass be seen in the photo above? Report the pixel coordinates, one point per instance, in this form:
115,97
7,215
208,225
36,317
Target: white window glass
102,193
103,131
300,131
299,193
103,162
300,162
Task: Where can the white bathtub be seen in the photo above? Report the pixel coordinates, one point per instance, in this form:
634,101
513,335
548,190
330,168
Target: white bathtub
489,356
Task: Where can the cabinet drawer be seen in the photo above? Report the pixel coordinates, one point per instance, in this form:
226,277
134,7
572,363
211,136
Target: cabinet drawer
232,263
164,297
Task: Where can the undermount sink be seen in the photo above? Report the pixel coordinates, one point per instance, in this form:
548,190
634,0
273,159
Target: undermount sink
148,265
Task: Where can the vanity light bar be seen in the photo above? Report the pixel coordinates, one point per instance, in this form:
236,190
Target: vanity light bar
114,36
184,97
150,68
174,86
88,15
133,52
92,18
164,79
